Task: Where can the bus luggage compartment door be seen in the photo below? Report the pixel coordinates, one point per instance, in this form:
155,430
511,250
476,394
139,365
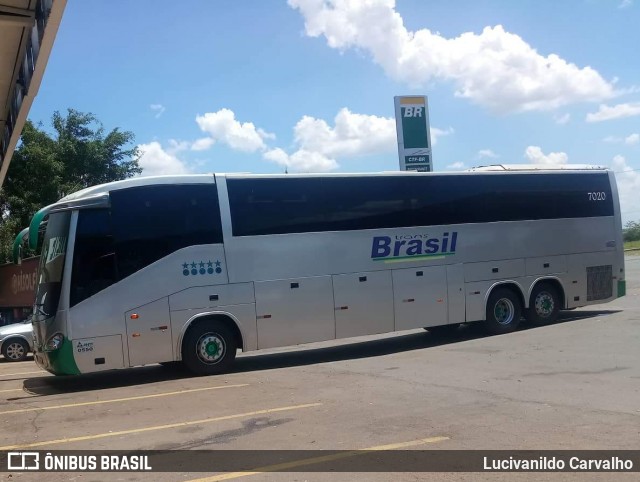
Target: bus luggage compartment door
149,333
420,297
294,311
363,303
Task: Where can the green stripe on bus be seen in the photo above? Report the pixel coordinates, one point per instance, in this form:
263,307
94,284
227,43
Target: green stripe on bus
17,245
400,259
62,361
34,226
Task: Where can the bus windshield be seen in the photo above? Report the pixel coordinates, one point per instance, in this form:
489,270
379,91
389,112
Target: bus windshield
51,265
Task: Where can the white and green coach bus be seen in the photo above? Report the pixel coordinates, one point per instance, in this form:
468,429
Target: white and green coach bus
192,268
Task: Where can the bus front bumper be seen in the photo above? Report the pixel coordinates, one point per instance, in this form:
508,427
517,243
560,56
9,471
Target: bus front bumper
58,362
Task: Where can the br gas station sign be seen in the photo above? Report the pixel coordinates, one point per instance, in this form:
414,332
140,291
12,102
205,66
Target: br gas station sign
414,137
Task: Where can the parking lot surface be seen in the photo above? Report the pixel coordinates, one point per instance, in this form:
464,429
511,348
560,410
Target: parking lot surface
571,385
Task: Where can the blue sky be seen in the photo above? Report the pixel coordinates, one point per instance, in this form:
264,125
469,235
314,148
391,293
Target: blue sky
308,85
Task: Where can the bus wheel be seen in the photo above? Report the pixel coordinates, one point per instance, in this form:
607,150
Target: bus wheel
443,330
15,350
544,305
503,311
209,348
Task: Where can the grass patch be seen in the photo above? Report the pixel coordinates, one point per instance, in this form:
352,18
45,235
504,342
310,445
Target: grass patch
632,244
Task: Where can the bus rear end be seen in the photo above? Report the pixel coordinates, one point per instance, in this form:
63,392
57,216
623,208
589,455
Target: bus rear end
620,284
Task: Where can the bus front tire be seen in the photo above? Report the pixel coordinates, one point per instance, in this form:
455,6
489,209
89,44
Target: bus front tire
544,305
209,348
504,310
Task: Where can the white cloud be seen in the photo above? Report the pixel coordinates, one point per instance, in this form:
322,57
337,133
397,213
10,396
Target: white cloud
319,145
456,165
628,181
202,144
630,140
437,133
352,134
486,153
562,119
266,135
176,146
536,156
614,112
301,160
158,109
278,156
154,160
625,4
222,126
495,68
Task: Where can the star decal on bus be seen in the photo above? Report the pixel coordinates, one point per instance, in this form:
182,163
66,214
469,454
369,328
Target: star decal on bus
201,267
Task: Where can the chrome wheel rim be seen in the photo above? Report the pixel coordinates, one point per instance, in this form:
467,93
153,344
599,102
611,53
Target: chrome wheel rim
544,304
210,348
504,311
15,351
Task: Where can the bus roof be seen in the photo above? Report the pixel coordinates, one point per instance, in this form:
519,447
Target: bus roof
537,167
103,189
99,189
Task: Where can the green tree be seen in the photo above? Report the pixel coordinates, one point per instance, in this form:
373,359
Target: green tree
47,166
631,231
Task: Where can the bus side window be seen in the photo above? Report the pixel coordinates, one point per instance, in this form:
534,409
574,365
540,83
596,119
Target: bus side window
94,263
151,222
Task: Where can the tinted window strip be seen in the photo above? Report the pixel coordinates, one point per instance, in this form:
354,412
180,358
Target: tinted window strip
298,205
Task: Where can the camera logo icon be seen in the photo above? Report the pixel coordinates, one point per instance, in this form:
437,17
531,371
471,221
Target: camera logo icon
23,461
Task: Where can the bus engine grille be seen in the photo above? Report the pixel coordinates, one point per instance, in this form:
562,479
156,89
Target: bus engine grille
599,282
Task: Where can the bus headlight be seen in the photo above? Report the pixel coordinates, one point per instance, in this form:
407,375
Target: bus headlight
54,342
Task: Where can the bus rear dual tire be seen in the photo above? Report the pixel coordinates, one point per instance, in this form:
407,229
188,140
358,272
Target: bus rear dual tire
209,348
544,304
504,308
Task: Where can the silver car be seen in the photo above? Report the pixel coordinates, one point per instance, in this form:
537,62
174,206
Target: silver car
16,340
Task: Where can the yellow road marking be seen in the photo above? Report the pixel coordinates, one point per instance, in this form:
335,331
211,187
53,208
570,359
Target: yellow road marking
158,427
11,390
320,459
140,397
21,373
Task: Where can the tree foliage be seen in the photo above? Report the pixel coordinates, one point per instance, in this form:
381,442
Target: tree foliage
46,166
631,231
